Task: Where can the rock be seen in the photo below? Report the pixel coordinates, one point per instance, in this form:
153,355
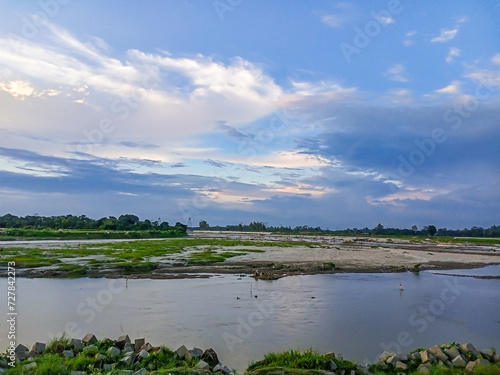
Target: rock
128,349
392,360
89,339
459,362
468,347
422,369
330,355
222,369
128,359
415,356
452,353
107,367
30,365
143,354
124,372
114,352
385,355
38,348
90,350
331,366
210,356
202,365
496,358
482,362
76,373
147,347
441,356
486,353
403,357
122,340
21,348
142,371
68,353
3,371
400,366
77,345
196,353
138,343
181,352
426,356
100,357
21,356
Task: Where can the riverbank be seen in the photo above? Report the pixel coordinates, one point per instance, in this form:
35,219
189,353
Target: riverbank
263,255
65,356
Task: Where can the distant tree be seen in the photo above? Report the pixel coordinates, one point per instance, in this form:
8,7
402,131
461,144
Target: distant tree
414,229
378,229
204,225
431,229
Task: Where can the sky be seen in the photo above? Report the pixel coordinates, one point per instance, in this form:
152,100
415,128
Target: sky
323,113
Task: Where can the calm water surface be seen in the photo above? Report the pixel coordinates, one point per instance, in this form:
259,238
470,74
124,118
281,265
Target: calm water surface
357,315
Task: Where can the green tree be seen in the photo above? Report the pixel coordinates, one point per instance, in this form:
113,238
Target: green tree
431,229
204,225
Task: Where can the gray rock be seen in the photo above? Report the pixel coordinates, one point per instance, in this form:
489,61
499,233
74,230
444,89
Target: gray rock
147,347
459,362
38,347
486,353
415,356
331,366
392,360
441,356
452,352
468,347
482,362
422,369
143,354
181,352
100,357
122,340
426,356
128,349
22,356
68,353
78,345
403,357
138,343
114,352
202,365
89,339
128,359
142,371
21,348
210,356
447,363
90,349
107,367
496,358
30,365
330,355
401,366
385,355
196,353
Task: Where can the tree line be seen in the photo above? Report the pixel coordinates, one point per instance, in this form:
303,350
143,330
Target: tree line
127,222
428,230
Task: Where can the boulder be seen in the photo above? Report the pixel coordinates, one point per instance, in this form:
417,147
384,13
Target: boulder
122,340
426,356
403,357
210,356
400,366
38,348
385,355
482,362
496,358
77,345
196,353
142,371
21,348
147,347
138,343
114,352
30,365
452,353
202,365
128,349
392,360
330,355
89,339
486,353
91,350
22,356
459,362
107,367
331,366
142,355
468,347
100,357
181,352
68,353
128,359
422,369
415,356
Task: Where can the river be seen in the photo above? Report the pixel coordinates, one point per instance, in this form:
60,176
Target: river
356,315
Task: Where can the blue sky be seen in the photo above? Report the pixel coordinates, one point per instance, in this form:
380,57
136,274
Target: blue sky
326,113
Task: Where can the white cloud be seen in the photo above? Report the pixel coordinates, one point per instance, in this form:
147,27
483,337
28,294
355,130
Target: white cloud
453,88
454,52
397,73
408,41
18,89
445,36
496,59
334,20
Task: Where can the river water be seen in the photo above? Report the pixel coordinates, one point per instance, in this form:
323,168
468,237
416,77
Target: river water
356,315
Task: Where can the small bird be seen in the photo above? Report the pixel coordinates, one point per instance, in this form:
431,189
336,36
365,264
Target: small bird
238,297
401,287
